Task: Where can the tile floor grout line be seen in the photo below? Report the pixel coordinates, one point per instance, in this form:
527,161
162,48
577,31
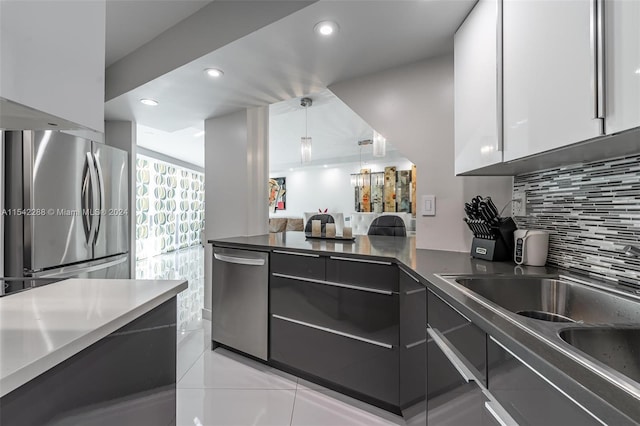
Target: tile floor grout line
293,408
189,369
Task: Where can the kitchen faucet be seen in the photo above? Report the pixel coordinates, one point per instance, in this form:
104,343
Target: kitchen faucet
632,251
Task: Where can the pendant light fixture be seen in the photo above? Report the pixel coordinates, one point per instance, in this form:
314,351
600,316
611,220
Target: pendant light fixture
379,145
305,141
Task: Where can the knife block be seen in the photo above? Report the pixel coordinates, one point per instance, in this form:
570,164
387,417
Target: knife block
498,248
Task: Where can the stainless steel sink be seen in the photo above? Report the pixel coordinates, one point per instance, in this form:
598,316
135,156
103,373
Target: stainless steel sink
618,348
555,300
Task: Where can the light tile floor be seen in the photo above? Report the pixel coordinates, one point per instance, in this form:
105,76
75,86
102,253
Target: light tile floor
223,388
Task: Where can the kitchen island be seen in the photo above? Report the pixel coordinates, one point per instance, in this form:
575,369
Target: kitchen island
89,351
352,316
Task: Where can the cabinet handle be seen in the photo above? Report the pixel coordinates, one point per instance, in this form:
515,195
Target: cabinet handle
239,260
414,344
350,259
333,284
417,290
410,276
553,385
600,51
499,414
449,352
596,12
332,331
292,253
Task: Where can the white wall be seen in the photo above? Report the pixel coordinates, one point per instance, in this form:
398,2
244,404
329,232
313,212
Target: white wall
412,106
313,188
236,152
52,58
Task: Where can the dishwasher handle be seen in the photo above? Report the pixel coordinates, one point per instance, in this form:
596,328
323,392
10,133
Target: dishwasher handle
239,260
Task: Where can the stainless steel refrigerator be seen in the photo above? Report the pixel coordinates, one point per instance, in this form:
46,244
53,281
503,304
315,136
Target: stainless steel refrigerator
65,212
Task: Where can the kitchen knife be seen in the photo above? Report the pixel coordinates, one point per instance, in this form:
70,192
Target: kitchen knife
493,208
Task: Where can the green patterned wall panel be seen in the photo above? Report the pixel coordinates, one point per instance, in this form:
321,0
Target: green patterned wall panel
169,207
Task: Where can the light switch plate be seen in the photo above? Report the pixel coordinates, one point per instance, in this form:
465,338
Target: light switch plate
428,205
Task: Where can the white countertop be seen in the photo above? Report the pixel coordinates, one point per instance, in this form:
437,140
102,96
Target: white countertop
42,327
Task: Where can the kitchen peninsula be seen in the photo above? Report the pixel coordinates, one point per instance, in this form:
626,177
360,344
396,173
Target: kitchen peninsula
362,318
89,351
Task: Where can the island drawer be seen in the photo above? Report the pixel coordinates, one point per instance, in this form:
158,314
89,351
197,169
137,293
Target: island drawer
367,367
371,314
460,333
299,264
363,272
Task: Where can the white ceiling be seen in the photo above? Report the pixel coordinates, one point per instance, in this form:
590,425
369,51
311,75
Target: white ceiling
334,128
132,23
186,144
287,59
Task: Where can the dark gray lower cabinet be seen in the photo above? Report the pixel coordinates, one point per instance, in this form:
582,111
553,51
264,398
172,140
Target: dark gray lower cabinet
367,367
127,378
451,399
526,396
413,339
341,328
458,331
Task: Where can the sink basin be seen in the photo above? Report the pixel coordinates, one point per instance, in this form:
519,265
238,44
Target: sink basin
555,300
618,348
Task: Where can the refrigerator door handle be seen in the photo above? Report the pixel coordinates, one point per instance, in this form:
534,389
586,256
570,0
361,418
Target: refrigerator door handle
94,198
85,202
101,187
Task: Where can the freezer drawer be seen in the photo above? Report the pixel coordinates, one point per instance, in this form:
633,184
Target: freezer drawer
240,300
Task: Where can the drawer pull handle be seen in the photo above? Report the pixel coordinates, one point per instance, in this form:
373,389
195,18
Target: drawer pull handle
239,260
332,331
350,259
499,414
331,283
451,355
409,275
293,253
414,344
417,290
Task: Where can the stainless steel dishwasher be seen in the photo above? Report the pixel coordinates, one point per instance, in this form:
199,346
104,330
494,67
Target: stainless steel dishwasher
240,300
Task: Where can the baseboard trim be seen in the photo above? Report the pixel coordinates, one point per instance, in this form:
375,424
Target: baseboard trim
206,314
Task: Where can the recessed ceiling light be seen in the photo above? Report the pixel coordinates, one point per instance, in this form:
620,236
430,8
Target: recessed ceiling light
214,72
326,28
325,166
197,135
638,71
291,169
149,102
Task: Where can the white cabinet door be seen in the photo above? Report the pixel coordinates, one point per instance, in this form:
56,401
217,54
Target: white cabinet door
622,56
477,82
549,75
52,61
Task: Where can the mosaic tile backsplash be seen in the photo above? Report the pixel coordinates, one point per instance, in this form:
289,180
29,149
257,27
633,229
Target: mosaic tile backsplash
592,210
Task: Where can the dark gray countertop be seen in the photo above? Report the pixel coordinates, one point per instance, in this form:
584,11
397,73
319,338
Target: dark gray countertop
601,397
401,249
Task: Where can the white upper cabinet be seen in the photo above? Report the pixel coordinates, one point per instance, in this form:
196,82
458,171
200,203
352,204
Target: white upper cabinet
622,56
52,64
550,73
477,83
